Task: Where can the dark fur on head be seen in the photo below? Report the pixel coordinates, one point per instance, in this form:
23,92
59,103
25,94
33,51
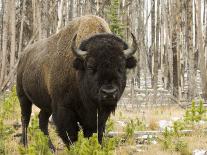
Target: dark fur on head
109,40
105,41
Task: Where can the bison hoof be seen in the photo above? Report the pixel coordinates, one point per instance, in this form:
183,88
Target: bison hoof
51,146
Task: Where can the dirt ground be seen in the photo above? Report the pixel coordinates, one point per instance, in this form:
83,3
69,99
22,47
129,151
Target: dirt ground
151,116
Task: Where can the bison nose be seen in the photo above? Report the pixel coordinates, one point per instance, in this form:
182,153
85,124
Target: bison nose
108,93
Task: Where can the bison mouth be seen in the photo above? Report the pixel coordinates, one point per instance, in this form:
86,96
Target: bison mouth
108,101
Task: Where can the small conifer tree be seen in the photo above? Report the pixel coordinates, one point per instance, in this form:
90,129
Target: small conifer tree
115,23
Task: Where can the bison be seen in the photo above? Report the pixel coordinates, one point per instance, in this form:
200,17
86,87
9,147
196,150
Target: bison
77,76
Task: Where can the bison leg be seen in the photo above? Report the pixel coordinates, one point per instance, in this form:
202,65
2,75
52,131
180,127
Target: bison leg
26,109
100,133
66,123
89,132
43,124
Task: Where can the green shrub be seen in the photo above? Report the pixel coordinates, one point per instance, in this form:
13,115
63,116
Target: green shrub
195,114
90,146
167,141
134,125
172,139
201,110
177,127
9,104
109,125
6,111
2,137
182,147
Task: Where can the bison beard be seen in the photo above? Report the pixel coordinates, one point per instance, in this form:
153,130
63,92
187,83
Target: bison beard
74,84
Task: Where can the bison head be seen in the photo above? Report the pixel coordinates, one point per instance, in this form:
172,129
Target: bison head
101,62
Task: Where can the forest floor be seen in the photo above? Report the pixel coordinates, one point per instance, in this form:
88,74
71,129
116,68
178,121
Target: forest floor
168,122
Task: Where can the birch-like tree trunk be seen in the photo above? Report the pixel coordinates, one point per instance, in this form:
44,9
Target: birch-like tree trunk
152,48
71,3
78,6
34,9
156,49
189,44
175,33
1,25
60,15
164,27
39,22
201,51
44,18
5,40
168,46
21,29
140,35
13,34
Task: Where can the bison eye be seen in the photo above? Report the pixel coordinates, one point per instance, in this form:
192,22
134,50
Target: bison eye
120,70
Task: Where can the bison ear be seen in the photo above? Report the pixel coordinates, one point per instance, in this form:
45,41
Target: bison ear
78,64
131,62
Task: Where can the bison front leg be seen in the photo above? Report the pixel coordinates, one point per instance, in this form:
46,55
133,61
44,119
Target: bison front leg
100,133
89,132
103,116
66,123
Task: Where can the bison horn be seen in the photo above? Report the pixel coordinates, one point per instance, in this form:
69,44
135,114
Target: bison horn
75,50
130,51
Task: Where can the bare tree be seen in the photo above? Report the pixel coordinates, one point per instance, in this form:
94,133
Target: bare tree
60,15
175,32
189,44
152,48
156,49
201,50
71,3
21,29
5,40
13,34
44,18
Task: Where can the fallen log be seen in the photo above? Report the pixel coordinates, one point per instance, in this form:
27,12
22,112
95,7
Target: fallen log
142,133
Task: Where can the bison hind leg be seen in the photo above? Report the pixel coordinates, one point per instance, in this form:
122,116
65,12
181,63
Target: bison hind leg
26,109
43,124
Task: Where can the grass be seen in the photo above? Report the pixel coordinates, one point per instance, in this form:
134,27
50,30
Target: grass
170,143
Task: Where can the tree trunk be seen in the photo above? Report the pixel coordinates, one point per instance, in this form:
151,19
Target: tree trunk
139,23
13,34
156,49
21,29
60,16
44,18
151,51
175,43
34,16
78,6
152,48
39,22
201,51
5,40
71,2
189,42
